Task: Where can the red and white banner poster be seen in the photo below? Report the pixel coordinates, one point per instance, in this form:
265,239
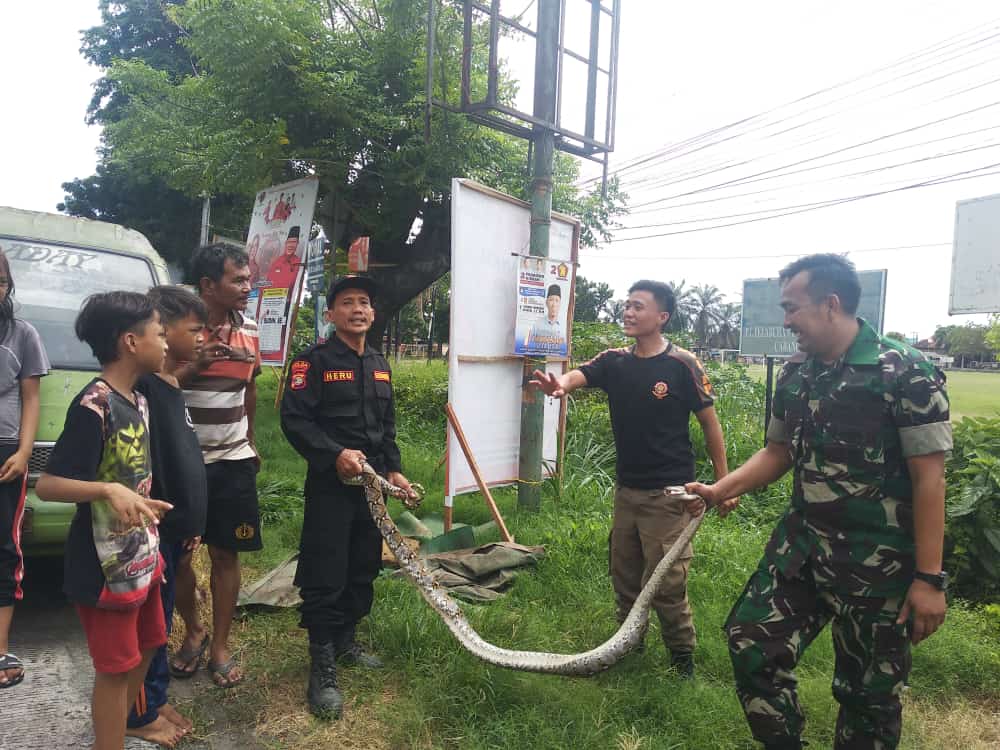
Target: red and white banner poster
279,233
357,255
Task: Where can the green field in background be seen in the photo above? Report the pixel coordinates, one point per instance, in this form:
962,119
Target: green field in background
972,394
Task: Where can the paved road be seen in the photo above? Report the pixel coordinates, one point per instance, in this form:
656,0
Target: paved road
50,710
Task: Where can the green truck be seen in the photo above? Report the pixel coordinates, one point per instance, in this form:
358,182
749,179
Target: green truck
57,262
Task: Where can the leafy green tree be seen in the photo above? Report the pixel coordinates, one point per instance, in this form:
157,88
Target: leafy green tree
943,334
615,311
969,342
727,329
993,334
707,300
590,299
129,194
279,89
684,308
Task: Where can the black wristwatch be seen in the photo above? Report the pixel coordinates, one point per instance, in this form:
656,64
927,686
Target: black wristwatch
937,580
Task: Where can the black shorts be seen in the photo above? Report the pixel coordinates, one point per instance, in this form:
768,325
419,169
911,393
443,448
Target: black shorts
233,520
11,514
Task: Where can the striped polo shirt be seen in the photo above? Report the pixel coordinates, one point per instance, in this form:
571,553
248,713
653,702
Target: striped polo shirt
216,396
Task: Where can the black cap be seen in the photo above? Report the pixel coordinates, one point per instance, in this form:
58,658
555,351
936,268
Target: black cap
293,232
554,291
351,282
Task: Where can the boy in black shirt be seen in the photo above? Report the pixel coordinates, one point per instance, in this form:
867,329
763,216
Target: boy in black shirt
102,462
653,387
179,478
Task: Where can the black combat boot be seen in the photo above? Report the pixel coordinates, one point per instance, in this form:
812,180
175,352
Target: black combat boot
682,662
789,743
350,653
325,701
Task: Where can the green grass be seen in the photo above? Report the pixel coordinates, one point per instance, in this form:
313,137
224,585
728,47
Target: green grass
435,695
972,394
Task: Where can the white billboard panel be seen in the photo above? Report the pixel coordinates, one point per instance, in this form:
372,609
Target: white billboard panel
975,260
489,233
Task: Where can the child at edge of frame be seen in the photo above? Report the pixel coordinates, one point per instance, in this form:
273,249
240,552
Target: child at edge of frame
23,363
101,462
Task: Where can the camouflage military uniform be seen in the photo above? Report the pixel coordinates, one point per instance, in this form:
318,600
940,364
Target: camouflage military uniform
844,551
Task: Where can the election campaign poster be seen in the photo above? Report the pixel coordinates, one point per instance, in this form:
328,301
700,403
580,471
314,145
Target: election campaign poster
543,287
276,243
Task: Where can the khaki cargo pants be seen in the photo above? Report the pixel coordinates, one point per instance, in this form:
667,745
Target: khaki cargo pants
646,524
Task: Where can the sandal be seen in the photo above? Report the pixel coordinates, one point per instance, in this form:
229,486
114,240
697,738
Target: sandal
221,674
9,661
190,659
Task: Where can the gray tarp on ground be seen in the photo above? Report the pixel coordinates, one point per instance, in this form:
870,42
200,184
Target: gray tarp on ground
480,574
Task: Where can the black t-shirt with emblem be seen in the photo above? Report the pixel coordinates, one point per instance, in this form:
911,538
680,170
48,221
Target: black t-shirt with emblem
651,400
338,399
178,465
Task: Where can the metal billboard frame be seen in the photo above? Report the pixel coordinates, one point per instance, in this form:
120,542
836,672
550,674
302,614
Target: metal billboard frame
492,112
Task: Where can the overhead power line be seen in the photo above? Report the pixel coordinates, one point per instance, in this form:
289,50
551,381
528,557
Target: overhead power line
816,203
788,186
881,98
956,177
652,182
765,257
870,141
954,41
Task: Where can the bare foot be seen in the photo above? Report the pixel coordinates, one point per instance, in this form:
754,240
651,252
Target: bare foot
160,731
172,715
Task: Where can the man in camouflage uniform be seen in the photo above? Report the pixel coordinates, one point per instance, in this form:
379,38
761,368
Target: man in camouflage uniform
863,422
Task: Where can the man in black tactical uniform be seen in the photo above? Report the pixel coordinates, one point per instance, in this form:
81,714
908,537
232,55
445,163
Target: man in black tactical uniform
337,412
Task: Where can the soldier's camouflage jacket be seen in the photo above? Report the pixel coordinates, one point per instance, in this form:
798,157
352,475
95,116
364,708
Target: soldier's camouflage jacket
850,426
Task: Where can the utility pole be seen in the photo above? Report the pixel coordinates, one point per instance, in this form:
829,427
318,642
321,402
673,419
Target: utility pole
206,209
543,139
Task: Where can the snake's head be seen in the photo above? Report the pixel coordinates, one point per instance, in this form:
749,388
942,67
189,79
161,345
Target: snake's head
411,503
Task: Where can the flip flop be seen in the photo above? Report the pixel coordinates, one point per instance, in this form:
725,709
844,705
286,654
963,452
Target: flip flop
223,671
189,658
9,661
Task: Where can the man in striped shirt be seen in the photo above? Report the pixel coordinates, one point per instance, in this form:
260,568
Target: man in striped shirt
221,396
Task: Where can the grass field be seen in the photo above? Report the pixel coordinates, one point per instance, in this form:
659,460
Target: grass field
434,695
972,394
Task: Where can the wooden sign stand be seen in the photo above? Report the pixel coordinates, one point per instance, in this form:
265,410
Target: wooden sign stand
474,468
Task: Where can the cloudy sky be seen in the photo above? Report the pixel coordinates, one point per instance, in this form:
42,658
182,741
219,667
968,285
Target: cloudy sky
835,100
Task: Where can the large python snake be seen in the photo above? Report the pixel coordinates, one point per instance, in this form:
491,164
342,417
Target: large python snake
628,636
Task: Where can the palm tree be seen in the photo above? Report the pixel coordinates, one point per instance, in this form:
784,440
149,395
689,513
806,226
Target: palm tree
707,300
683,297
727,331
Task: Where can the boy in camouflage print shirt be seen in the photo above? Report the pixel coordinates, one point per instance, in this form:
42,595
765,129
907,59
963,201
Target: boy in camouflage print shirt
863,422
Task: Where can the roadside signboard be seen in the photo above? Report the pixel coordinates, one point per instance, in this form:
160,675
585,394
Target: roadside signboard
975,260
762,331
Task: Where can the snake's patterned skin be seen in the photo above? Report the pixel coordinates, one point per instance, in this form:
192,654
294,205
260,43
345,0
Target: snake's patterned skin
627,637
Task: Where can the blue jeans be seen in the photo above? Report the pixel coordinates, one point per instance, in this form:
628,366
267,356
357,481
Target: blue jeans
153,693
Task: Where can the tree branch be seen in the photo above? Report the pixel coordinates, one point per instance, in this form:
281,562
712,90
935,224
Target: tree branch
350,20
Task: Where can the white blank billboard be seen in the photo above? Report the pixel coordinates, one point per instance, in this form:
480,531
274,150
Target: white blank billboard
975,261
489,230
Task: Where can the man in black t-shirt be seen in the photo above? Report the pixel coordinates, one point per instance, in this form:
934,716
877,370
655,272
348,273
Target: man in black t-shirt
653,387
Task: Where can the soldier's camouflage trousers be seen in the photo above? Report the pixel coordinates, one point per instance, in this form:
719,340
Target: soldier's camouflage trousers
772,624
